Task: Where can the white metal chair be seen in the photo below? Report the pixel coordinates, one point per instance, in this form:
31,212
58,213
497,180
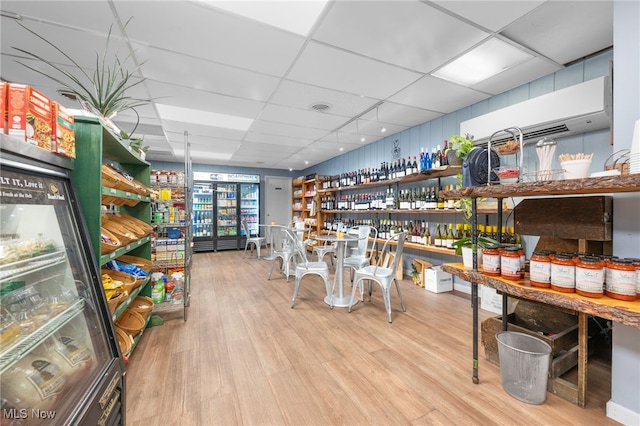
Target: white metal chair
384,276
252,241
303,267
359,257
282,249
328,247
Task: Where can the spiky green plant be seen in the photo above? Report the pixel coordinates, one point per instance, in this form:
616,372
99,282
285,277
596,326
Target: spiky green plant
109,82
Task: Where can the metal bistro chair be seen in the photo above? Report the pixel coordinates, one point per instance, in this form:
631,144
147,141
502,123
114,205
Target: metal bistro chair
303,267
385,277
282,249
328,247
359,257
256,241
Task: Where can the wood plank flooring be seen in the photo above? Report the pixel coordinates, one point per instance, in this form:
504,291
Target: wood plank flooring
244,357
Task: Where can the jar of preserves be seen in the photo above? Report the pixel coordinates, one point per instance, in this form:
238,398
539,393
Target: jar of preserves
154,176
563,273
510,263
491,260
589,276
621,282
540,269
636,264
163,177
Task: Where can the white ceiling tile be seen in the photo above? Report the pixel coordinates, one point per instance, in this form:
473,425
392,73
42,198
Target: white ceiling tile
187,71
270,139
199,130
565,30
197,30
437,95
492,15
390,113
302,96
186,97
530,70
410,34
337,69
298,117
271,128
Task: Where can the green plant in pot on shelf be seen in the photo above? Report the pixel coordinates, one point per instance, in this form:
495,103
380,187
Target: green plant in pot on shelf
459,147
465,244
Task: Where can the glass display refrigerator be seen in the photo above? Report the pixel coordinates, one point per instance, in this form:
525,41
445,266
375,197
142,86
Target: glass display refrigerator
220,202
60,362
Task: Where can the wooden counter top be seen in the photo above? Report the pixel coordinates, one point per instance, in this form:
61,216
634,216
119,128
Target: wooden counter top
620,311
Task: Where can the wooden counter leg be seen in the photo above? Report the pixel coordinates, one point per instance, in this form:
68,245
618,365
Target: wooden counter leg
474,303
583,329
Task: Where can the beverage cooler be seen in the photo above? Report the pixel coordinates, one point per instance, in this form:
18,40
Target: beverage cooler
220,202
59,358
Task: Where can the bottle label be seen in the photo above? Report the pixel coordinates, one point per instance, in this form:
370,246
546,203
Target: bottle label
491,262
621,282
510,265
540,271
589,280
563,275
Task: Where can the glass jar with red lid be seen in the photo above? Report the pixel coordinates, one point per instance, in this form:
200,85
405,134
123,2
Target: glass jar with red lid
510,263
540,269
621,279
590,276
563,273
491,260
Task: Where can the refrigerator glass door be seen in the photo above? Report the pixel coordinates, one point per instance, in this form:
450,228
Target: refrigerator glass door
227,210
203,210
250,206
53,324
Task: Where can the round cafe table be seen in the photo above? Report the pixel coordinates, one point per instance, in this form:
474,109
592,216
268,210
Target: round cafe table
340,299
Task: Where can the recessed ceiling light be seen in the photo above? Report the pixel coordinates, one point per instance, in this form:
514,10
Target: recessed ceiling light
306,162
362,139
205,118
488,59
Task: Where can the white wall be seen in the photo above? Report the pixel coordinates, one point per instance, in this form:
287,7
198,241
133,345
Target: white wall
624,406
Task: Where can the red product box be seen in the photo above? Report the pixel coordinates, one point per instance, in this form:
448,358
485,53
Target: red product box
3,107
29,115
63,136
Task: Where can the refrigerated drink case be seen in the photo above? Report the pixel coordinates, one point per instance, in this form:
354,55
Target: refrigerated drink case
220,202
59,361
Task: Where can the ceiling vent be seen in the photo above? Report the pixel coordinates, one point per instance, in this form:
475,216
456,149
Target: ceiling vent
581,108
321,107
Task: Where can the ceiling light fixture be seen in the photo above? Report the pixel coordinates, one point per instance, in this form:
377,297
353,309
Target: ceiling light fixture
382,128
486,60
204,118
340,148
306,162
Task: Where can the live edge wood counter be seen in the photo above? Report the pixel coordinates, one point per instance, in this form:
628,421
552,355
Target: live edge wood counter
620,311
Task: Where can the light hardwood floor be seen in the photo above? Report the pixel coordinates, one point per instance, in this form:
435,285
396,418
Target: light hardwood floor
245,357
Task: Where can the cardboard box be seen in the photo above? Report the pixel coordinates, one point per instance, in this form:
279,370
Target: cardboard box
3,106
29,115
437,281
63,138
491,301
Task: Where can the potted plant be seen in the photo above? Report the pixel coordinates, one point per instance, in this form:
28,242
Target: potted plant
103,92
459,147
464,246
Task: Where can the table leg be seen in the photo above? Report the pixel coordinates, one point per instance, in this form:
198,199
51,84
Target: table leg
340,299
474,303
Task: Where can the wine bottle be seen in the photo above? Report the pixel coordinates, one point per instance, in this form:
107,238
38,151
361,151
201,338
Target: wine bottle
438,237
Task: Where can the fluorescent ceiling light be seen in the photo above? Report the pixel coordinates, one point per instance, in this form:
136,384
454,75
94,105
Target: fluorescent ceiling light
207,155
486,60
295,16
205,118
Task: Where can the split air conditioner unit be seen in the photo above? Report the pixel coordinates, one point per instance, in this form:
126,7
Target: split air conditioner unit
576,109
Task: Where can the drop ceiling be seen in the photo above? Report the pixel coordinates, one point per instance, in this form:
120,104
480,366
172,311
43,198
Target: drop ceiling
371,62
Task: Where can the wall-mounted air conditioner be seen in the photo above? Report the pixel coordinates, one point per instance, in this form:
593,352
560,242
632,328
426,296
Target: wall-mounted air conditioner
576,109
